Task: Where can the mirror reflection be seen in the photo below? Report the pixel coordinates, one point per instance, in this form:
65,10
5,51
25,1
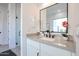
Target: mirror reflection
54,18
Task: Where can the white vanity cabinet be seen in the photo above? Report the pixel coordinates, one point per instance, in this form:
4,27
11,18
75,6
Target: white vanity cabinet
47,50
32,48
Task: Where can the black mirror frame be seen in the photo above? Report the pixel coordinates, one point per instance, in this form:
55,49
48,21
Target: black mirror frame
67,18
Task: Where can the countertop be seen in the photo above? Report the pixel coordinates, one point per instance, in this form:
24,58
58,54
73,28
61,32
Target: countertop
59,43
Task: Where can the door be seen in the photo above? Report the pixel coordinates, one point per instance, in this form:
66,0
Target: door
12,26
1,27
18,20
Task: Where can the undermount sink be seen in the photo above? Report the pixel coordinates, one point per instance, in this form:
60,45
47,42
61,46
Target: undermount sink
55,41
47,39
59,44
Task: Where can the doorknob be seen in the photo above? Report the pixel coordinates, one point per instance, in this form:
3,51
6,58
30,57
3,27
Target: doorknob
0,32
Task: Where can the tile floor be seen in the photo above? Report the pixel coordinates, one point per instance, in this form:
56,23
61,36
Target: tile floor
15,50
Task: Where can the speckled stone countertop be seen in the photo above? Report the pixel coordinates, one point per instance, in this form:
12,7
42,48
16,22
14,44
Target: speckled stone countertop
59,43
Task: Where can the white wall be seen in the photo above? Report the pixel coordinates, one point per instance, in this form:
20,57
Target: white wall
74,23
30,22
5,22
4,10
30,14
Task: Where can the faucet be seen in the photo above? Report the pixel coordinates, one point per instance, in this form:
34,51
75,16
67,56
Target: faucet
48,34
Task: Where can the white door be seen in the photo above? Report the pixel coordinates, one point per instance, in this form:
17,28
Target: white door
1,27
3,24
18,20
12,26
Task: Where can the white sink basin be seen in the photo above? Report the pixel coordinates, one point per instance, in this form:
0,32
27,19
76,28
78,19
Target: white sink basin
47,39
59,44
55,41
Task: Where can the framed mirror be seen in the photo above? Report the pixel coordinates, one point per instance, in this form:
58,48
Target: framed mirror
54,18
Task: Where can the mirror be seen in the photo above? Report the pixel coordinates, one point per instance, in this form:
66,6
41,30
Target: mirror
54,18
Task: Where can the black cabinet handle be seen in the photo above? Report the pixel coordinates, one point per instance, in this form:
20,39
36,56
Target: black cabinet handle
19,33
37,53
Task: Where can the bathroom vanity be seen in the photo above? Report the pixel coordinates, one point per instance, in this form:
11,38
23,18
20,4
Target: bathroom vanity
50,41
41,46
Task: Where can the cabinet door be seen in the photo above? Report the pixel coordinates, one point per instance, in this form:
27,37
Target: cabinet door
73,54
31,51
32,48
47,50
